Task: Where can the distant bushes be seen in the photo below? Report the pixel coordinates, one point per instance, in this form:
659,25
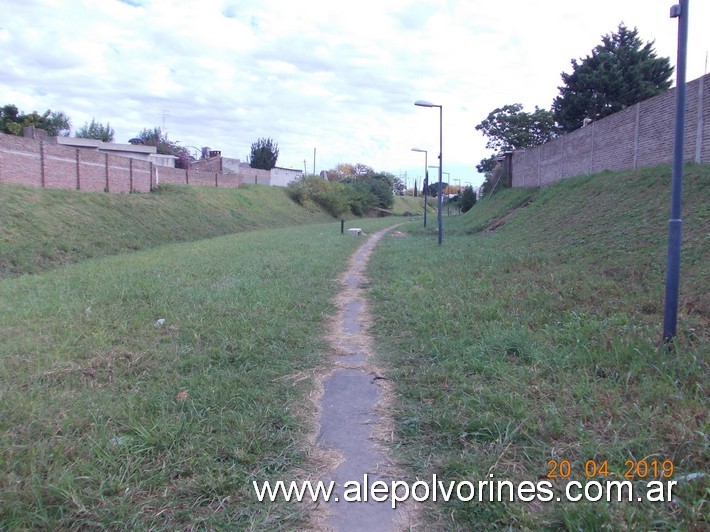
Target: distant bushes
356,196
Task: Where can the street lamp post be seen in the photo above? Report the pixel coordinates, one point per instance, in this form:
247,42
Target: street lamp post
426,179
670,310
423,103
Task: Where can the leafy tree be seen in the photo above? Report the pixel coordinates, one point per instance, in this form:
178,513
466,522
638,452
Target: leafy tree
468,199
382,186
13,121
156,137
9,115
399,188
433,189
361,190
620,72
510,128
264,154
97,131
349,171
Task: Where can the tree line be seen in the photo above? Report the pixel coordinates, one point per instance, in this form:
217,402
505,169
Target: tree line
13,121
619,72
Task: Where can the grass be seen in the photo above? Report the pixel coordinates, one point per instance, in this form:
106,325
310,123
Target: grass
509,347
41,229
411,206
540,340
110,419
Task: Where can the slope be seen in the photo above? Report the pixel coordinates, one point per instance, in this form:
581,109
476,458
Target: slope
526,348
43,228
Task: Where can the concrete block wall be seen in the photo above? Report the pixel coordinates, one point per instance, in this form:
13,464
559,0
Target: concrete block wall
640,135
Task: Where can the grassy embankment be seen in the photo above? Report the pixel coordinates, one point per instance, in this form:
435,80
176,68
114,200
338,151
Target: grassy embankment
110,418
42,229
540,341
95,430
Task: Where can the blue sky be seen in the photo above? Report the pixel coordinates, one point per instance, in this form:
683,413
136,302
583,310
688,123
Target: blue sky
338,77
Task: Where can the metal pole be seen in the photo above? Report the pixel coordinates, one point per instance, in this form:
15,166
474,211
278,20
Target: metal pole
426,185
441,162
670,311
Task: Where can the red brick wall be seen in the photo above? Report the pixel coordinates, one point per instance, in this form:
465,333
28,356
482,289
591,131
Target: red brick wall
20,160
641,135
92,170
229,180
41,163
164,174
213,164
196,177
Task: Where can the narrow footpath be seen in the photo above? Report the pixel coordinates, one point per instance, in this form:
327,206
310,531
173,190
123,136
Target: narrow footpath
351,405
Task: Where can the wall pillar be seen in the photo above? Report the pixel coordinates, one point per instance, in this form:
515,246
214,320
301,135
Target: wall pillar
41,163
699,131
78,169
106,170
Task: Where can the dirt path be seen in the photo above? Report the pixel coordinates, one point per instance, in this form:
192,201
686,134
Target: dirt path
353,398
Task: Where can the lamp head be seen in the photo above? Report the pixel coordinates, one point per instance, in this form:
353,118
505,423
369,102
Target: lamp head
424,103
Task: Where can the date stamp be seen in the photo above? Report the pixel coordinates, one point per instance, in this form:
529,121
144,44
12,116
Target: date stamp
632,470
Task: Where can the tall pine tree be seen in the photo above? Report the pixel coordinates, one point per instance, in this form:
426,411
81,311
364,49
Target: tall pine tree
620,72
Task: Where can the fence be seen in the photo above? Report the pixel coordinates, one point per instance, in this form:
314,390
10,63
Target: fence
44,164
641,135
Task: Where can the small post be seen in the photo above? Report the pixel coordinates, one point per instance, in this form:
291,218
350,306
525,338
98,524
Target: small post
342,227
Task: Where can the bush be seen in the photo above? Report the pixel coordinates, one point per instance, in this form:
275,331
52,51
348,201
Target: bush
336,198
468,199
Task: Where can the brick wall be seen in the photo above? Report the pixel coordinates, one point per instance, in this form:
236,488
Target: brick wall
641,135
213,164
41,163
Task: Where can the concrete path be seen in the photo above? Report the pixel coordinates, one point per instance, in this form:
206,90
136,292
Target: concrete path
349,418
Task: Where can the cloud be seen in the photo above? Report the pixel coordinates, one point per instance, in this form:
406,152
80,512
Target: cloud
339,77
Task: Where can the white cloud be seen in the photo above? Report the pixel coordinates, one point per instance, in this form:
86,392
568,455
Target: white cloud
339,77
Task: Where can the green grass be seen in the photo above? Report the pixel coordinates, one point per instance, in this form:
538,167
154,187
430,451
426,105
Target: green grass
507,348
44,228
410,205
93,433
540,341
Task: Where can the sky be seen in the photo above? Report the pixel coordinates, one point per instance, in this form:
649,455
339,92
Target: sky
329,81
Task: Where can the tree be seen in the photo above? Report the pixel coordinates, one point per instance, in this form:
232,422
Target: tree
349,171
620,72
97,131
433,189
511,128
264,154
156,137
399,188
468,199
13,121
